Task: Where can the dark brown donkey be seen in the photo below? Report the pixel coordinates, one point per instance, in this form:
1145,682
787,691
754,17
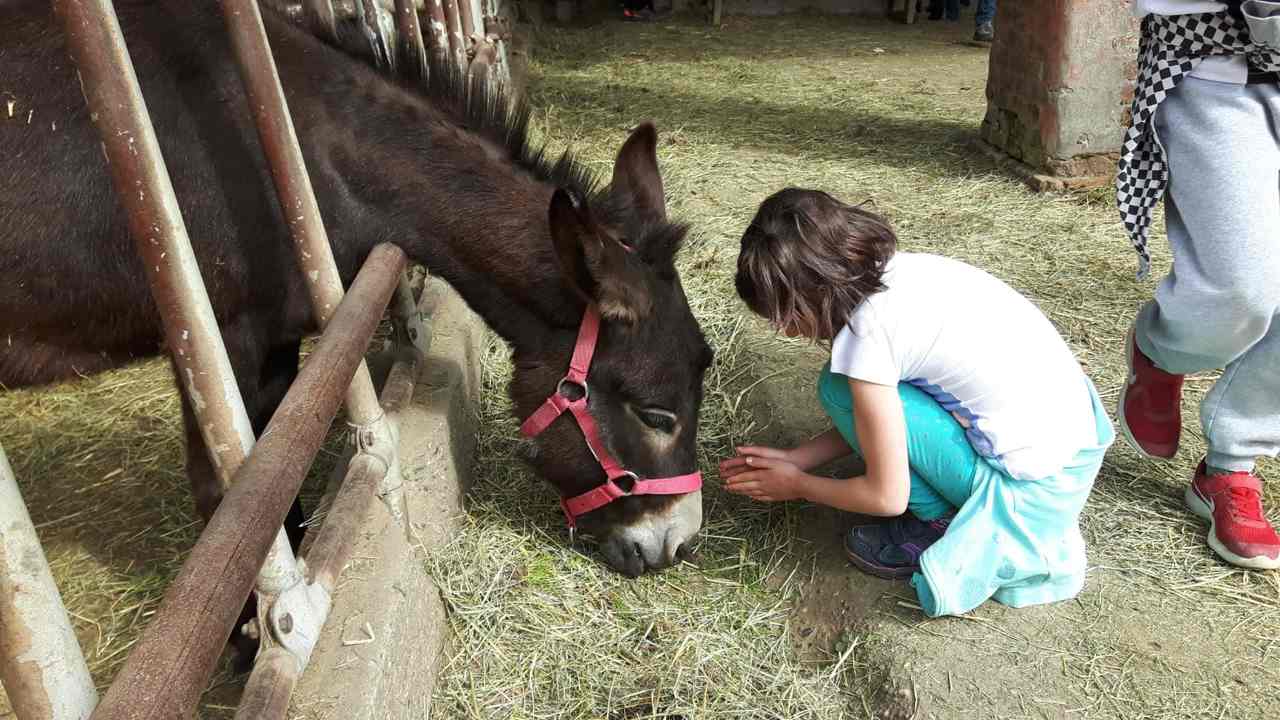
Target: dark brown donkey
525,240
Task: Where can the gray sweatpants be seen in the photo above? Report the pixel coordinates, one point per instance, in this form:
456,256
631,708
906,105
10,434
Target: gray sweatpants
1220,305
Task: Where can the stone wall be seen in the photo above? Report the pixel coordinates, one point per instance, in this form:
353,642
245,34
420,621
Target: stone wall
1060,83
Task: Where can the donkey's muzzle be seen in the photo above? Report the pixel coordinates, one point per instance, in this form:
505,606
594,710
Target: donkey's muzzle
655,541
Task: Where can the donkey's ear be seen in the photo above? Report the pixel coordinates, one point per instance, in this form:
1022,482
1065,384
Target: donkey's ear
597,271
570,230
636,180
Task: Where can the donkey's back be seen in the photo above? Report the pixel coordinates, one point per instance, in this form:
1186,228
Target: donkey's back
76,299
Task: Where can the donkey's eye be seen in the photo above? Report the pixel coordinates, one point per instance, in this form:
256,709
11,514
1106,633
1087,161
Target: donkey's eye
660,420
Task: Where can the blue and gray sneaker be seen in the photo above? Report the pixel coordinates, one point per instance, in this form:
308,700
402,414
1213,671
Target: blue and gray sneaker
892,549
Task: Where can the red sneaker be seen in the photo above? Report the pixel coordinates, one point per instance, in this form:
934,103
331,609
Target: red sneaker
1150,410
1238,530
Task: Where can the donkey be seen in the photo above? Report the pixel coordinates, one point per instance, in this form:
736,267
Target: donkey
448,173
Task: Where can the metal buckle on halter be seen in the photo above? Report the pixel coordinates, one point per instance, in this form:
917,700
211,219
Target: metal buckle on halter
628,488
566,380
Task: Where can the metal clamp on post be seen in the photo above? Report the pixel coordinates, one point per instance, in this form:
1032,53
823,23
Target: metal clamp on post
295,617
412,326
380,439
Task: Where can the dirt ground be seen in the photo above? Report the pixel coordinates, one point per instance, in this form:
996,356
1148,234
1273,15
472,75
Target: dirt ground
1134,644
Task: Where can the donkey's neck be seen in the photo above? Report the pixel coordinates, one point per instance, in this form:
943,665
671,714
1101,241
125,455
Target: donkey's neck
390,166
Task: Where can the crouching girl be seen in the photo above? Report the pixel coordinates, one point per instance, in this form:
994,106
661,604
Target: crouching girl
980,433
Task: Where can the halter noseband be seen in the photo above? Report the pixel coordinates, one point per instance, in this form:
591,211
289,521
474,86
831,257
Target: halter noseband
559,402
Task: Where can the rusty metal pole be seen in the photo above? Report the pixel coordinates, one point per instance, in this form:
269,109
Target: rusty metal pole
267,692
457,43
41,665
469,23
437,32
328,547
412,51
276,670
336,538
169,667
142,183
293,183
369,13
497,30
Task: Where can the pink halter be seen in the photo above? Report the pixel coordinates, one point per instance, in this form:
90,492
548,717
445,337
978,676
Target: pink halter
558,403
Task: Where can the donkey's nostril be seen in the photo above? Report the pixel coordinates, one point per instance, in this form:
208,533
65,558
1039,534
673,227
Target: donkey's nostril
684,552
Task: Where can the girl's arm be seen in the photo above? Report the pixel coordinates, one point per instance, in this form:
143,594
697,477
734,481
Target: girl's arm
820,450
815,452
882,433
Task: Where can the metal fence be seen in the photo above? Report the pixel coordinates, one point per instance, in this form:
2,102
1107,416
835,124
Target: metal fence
243,548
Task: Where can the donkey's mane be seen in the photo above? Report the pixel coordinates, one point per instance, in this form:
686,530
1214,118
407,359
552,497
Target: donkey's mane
486,108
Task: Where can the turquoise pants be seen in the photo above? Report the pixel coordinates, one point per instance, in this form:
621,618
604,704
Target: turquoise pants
1017,541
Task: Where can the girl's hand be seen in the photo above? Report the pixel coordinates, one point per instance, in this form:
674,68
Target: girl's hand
768,479
737,465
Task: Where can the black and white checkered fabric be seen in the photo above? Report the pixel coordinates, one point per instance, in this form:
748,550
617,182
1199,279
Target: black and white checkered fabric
1170,47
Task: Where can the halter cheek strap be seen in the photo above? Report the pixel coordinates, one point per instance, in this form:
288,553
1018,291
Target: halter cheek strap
559,402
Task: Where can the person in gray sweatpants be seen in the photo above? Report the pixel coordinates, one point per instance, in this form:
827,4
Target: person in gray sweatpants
1219,306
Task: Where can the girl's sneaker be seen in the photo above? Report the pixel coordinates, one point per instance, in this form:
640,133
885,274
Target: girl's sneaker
892,549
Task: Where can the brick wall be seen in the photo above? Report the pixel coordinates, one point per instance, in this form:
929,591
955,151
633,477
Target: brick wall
1060,81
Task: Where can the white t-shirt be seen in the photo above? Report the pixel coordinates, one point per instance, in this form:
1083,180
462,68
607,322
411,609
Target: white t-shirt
1219,68
985,352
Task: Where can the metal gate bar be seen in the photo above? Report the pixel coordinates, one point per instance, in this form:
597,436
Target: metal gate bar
457,43
329,547
171,663
43,670
293,183
167,670
412,50
138,172
468,23
437,31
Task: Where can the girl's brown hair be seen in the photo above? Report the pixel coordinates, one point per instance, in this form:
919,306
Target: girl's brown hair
808,261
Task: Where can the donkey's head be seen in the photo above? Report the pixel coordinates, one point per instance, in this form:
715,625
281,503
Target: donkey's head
616,254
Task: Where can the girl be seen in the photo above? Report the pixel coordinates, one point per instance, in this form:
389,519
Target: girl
980,433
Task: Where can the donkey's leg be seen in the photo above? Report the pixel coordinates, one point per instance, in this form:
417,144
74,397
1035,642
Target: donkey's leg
204,481
208,493
279,368
245,353
263,379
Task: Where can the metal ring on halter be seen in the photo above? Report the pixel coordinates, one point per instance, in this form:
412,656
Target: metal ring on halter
634,481
586,391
